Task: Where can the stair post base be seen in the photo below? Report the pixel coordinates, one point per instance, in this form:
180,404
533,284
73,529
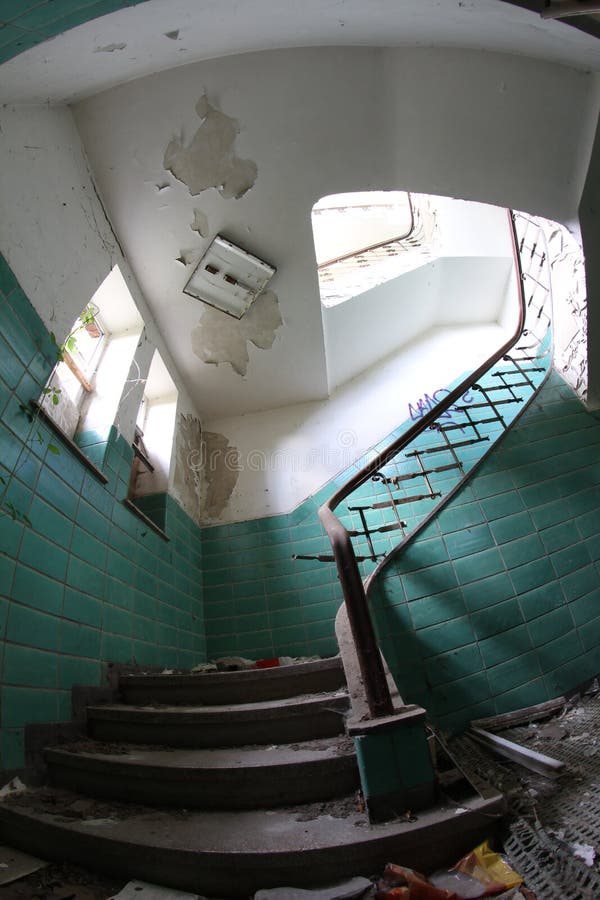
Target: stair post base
394,761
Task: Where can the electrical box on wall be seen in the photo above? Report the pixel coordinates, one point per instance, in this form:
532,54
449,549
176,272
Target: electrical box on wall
229,278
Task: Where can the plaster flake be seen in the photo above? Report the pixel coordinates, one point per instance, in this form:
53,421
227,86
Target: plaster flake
219,338
209,160
200,223
187,478
221,469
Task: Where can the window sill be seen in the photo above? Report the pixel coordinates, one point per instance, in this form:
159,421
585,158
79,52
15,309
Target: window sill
138,512
73,447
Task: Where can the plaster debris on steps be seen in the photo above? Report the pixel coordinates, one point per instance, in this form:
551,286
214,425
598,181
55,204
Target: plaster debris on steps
172,35
221,472
200,223
222,339
210,159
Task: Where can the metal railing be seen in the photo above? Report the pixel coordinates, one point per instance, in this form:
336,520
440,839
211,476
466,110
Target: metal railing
385,485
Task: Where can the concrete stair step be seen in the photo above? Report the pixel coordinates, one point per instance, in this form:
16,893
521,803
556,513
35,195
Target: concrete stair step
241,778
234,687
233,854
266,722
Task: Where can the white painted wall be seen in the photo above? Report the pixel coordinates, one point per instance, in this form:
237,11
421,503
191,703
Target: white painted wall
55,236
286,455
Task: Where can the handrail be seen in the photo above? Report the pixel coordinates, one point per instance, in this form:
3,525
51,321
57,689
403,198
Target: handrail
369,657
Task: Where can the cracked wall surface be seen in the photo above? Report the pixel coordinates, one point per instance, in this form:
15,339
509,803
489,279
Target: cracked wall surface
221,468
187,475
210,159
219,338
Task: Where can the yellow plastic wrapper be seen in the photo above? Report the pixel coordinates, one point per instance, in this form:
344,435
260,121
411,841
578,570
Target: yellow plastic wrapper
488,868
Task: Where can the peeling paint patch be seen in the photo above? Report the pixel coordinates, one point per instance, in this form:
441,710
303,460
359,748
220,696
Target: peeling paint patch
210,160
221,471
219,338
186,257
187,478
172,35
109,48
200,223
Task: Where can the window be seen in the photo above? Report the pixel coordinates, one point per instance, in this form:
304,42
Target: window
153,443
84,391
365,238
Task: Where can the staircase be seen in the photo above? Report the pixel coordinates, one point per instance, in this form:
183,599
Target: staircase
225,783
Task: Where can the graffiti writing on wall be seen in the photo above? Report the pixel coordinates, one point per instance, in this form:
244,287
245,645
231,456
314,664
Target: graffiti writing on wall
426,403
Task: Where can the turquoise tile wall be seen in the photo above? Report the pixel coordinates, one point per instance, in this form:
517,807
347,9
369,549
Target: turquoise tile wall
496,604
88,582
25,23
259,602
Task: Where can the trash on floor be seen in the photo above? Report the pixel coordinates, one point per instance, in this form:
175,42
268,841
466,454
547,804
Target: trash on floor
481,873
349,890
142,890
585,852
531,759
14,864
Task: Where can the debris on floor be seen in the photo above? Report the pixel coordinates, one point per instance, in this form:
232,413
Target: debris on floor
142,890
15,865
12,787
61,881
552,833
349,890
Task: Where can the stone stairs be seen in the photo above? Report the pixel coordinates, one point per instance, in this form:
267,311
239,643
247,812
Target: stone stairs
225,783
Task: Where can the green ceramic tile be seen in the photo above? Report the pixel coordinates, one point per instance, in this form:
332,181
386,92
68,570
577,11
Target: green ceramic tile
433,580
542,600
35,589
20,706
512,527
72,670
13,752
546,628
116,648
570,559
452,666
521,551
439,608
28,667
559,536
80,640
82,607
590,634
495,619
487,591
85,577
534,574
507,645
502,505
50,522
442,638
554,654
579,583
469,541
32,628
478,566
586,608
528,694
40,554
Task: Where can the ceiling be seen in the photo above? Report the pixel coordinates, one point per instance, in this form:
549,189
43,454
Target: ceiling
157,35
314,120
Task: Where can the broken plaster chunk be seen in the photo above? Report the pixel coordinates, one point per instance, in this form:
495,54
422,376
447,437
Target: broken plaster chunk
200,223
172,35
222,339
210,160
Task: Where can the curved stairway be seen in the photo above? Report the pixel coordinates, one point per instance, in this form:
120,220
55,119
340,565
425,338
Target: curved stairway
225,783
